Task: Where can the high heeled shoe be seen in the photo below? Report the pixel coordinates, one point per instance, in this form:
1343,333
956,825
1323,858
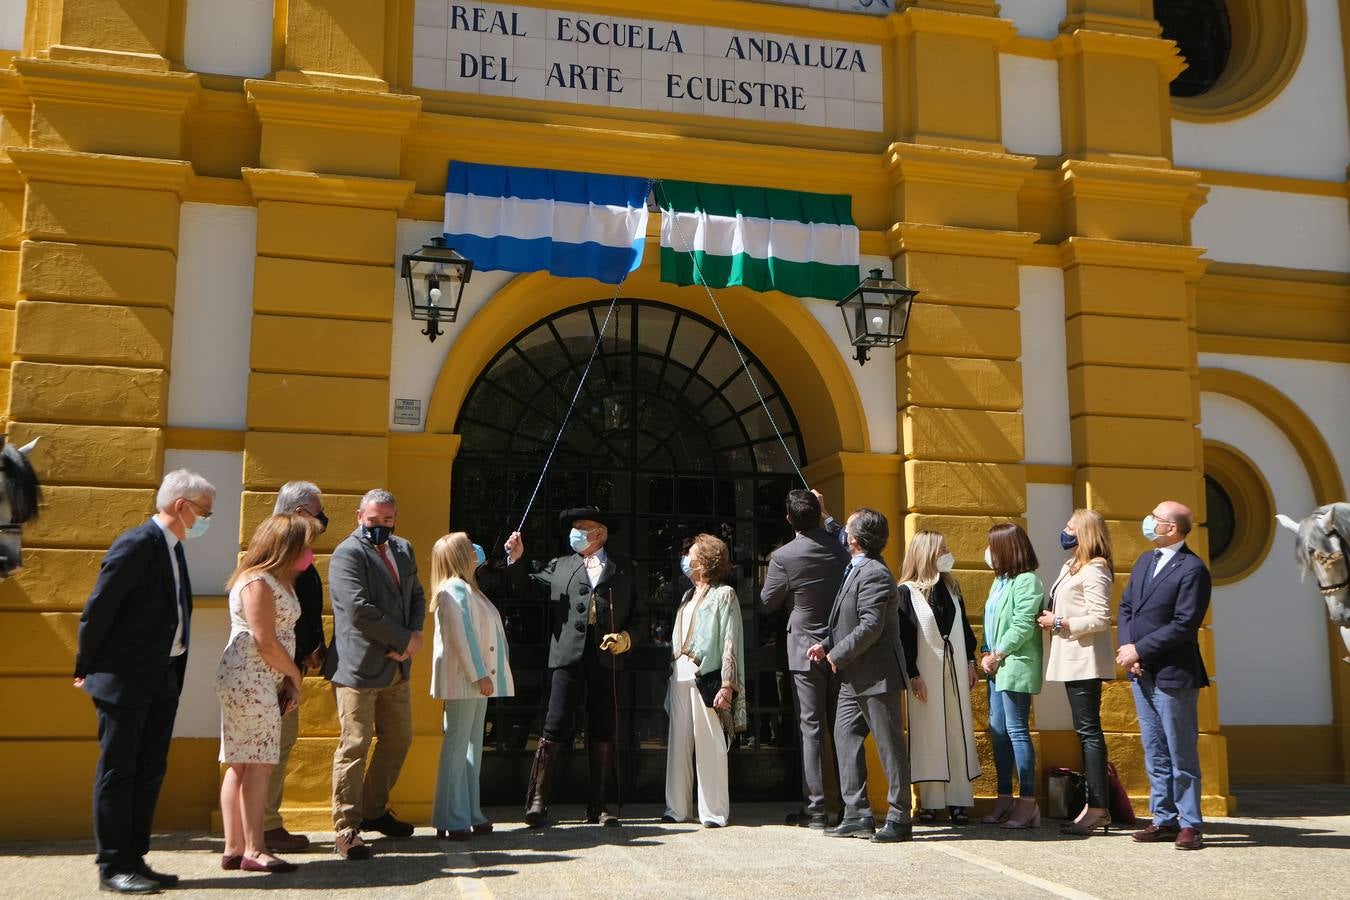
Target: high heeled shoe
1085,827
1003,808
1031,819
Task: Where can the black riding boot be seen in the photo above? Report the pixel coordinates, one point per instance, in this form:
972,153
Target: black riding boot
604,779
541,773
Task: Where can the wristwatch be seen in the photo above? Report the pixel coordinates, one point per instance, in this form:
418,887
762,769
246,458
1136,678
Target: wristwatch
1058,626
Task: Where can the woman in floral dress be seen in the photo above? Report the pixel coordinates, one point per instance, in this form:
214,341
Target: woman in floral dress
257,681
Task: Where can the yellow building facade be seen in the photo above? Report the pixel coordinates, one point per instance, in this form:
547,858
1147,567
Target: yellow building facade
1125,296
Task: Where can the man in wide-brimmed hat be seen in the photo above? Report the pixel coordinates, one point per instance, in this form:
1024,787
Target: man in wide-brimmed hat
598,617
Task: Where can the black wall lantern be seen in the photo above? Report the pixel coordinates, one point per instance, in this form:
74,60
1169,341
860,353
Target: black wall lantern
436,276
876,313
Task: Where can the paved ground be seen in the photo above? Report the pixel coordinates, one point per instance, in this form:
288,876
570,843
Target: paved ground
1290,842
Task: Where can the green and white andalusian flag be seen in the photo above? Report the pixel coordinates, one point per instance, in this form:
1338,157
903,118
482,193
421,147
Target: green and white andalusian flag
761,238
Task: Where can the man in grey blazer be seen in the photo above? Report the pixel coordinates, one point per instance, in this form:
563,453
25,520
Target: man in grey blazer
804,576
864,648
378,608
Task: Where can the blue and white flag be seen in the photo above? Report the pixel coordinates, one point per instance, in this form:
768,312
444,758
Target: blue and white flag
572,224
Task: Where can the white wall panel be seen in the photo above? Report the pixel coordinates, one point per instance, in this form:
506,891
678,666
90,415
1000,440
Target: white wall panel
1318,388
12,14
213,316
229,37
1029,89
1048,508
1045,383
1301,133
198,708
212,557
1034,18
1270,631
1272,228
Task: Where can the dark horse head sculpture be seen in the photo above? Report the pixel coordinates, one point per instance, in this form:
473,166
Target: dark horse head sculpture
19,496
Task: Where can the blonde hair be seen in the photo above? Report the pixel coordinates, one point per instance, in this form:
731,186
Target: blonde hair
920,563
453,557
1094,541
277,543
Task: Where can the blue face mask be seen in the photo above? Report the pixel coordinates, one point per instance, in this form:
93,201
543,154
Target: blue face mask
377,534
1150,528
578,539
685,567
198,528
478,552
1068,541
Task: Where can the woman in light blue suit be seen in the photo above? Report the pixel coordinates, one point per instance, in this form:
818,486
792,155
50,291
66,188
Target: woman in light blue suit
469,664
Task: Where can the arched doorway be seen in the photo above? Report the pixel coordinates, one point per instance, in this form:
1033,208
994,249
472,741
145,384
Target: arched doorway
670,435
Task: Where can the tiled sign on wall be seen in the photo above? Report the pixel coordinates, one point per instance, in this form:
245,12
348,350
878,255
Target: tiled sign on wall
641,64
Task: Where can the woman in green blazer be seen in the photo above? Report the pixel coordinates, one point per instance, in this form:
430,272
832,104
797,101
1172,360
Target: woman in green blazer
1012,662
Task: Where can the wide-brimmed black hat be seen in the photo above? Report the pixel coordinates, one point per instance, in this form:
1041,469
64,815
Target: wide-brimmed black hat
594,513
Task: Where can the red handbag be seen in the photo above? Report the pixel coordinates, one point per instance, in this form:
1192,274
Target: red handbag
1122,810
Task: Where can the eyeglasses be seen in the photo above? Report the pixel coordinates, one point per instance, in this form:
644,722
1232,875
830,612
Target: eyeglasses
197,508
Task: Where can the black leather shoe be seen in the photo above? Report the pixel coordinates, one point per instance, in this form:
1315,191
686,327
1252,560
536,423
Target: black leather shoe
158,878
894,833
128,883
388,826
861,828
798,817
819,822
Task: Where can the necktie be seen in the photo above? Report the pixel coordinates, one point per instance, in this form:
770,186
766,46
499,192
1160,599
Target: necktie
593,568
184,592
1152,566
388,562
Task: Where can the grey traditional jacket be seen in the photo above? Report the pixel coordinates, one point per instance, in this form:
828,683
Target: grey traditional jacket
371,614
864,640
569,595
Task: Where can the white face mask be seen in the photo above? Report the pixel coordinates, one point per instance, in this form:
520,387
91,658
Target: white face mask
946,562
988,558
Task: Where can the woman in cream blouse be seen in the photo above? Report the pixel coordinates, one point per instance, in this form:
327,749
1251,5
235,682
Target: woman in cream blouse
469,663
706,642
1077,627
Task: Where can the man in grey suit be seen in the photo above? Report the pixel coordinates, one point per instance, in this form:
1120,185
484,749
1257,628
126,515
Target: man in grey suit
864,648
378,608
804,575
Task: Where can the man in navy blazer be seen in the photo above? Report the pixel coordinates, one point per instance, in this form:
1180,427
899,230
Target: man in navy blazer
131,658
1161,613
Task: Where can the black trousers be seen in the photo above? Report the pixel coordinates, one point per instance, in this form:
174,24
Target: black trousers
590,681
1085,704
133,742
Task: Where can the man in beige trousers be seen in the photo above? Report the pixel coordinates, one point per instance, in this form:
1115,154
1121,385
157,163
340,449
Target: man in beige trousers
378,608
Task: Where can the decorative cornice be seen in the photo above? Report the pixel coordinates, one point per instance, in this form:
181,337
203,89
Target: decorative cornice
1084,251
220,191
965,168
334,108
329,190
979,20
122,59
1112,43
1108,181
169,92
103,170
921,238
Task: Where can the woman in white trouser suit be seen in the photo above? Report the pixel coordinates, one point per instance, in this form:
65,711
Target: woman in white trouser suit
706,642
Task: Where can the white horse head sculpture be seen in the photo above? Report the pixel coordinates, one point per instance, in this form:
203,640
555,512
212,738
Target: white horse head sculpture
1320,552
19,495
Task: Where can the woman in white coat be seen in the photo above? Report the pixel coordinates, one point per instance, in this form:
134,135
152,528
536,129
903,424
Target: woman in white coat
469,663
1078,652
940,661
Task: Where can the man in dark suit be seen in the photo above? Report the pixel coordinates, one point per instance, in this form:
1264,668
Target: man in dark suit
131,658
804,576
301,498
598,616
864,648
1161,613
378,611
